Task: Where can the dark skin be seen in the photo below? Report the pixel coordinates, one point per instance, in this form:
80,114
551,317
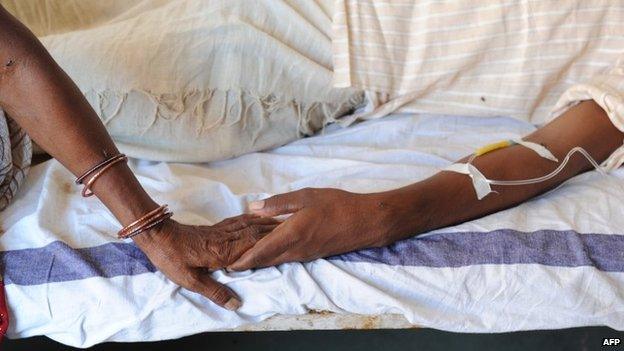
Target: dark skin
326,222
39,96
36,92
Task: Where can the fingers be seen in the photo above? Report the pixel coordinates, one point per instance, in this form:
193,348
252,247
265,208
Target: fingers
248,238
217,254
266,250
280,204
253,231
243,221
202,283
257,232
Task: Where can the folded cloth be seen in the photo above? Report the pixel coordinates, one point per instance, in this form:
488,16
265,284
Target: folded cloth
552,262
15,156
487,58
193,80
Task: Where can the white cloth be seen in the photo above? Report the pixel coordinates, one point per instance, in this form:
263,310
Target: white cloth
607,90
196,80
552,262
487,58
496,58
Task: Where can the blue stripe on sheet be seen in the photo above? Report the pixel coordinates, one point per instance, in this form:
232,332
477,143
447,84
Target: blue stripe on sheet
547,247
58,262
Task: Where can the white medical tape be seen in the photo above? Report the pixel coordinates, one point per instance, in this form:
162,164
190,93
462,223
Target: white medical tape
479,182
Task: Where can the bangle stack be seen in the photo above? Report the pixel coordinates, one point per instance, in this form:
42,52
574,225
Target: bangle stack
98,169
147,221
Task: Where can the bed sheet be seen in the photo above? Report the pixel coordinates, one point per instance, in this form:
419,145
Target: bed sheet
556,261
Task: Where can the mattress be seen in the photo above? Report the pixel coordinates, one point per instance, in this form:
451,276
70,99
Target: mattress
553,262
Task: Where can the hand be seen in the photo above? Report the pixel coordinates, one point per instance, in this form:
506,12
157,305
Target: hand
324,222
187,254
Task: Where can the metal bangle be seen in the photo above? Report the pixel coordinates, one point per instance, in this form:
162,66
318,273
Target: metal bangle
80,179
92,180
148,225
146,217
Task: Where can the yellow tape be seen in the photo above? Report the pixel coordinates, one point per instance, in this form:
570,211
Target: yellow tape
494,146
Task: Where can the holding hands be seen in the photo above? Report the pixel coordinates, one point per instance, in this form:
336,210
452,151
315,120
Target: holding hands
323,222
187,254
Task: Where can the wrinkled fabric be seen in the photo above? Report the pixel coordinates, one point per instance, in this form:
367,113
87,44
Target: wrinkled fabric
15,157
552,262
194,80
484,58
607,90
516,59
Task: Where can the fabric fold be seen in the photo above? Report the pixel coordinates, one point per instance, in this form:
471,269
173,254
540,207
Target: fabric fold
15,158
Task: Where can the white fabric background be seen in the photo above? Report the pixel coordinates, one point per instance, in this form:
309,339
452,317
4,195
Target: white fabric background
195,80
372,156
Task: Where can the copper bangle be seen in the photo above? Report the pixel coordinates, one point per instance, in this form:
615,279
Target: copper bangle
80,179
146,217
128,230
87,186
149,225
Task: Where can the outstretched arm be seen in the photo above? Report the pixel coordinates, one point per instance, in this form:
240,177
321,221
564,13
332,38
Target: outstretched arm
40,97
329,221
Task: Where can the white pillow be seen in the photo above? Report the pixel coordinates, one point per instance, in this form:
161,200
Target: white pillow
195,80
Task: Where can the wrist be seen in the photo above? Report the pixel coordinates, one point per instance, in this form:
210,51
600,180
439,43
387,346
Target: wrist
399,214
150,237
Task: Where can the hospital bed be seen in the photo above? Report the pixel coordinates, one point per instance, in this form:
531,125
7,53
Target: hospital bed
553,262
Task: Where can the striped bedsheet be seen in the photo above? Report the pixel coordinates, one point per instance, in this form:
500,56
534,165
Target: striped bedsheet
489,57
556,261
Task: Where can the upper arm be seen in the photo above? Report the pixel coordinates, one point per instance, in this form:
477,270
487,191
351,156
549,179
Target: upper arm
586,125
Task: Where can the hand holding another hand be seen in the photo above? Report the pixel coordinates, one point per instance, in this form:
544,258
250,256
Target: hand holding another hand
325,222
187,254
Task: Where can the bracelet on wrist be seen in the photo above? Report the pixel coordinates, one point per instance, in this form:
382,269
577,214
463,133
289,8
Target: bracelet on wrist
145,222
97,171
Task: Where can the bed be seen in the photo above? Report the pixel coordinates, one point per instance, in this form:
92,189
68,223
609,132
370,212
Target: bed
553,262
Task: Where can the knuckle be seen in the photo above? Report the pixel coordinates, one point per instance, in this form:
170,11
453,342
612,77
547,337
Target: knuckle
248,217
242,222
193,283
219,294
253,231
273,201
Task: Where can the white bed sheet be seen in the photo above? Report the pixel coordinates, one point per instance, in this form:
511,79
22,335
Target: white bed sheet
553,262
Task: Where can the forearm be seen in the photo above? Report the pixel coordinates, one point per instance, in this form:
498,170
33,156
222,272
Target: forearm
43,100
449,198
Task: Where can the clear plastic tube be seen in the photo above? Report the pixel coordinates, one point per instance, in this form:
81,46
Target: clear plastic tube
551,174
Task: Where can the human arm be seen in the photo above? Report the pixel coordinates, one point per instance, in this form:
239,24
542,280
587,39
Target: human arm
330,221
44,101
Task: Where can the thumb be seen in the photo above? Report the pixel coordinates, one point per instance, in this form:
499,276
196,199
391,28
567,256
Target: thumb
216,292
279,204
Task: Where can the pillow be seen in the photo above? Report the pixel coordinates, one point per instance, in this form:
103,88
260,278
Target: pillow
194,80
